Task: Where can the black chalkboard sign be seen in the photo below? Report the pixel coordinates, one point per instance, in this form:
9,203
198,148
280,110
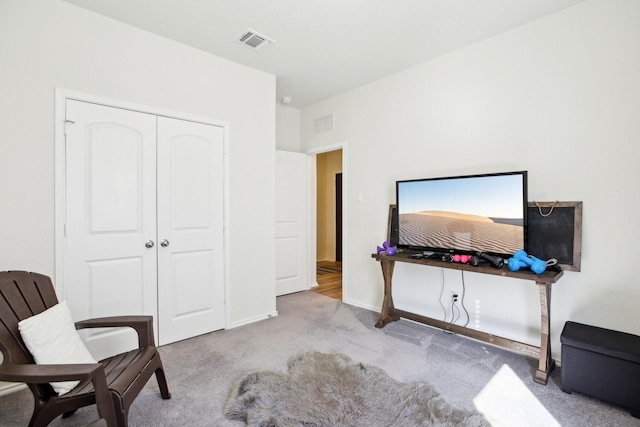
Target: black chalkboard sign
554,230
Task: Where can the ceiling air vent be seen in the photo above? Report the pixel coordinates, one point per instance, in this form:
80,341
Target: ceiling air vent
255,40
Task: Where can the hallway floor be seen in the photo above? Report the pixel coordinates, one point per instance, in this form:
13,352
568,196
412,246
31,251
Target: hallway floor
329,277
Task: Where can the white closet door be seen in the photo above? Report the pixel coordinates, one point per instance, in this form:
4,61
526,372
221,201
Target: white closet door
190,229
144,223
111,215
292,223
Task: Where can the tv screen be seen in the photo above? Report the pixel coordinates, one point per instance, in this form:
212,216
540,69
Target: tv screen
464,214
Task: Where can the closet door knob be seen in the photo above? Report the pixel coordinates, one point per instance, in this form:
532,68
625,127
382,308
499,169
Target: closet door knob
164,243
149,244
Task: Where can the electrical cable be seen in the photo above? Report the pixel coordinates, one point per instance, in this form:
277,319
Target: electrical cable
444,309
455,313
462,299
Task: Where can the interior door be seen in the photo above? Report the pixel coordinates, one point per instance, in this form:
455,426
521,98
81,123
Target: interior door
144,223
292,222
190,229
110,222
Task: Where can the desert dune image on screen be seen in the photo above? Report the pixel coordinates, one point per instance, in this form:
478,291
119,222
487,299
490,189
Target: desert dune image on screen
466,214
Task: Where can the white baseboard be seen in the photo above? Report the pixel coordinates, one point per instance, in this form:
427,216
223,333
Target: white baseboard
357,304
253,320
8,388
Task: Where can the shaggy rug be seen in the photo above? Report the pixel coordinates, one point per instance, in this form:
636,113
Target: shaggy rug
332,390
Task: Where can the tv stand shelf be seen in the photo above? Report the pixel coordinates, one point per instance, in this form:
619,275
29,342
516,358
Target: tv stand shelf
543,353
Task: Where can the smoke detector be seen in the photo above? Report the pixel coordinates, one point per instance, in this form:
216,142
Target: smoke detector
254,40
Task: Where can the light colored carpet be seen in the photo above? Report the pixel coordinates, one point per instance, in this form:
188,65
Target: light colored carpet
468,374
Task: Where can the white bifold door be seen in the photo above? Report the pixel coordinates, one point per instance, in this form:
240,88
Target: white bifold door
144,222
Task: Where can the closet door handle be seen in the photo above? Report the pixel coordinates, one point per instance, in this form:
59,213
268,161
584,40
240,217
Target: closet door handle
164,243
149,244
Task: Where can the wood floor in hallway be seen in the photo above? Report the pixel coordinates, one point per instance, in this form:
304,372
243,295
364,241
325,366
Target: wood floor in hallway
329,277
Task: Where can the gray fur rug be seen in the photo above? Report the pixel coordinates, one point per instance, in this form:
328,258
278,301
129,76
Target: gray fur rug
332,390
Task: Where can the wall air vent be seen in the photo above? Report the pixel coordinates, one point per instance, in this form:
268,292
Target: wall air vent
323,123
255,40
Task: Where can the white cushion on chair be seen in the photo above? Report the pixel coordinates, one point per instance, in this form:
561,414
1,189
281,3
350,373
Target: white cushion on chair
52,339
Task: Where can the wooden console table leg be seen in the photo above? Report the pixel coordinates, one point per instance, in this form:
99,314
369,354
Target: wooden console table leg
546,363
387,303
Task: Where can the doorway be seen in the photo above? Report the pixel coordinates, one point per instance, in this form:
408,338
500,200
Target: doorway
338,217
329,223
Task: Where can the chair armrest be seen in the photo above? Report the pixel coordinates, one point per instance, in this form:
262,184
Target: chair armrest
142,324
39,374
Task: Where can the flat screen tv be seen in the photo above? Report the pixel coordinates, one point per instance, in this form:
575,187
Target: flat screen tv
464,214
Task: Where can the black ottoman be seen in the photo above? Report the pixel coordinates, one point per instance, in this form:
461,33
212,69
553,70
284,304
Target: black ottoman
601,363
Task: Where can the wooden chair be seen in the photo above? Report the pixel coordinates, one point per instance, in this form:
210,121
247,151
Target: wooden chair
112,384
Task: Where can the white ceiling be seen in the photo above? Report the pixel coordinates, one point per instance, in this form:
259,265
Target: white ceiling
325,47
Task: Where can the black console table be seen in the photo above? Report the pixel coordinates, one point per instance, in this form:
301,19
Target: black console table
543,353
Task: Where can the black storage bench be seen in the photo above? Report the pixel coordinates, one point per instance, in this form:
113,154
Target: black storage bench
601,363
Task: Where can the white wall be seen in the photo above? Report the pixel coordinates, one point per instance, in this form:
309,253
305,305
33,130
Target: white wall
559,97
48,44
287,128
